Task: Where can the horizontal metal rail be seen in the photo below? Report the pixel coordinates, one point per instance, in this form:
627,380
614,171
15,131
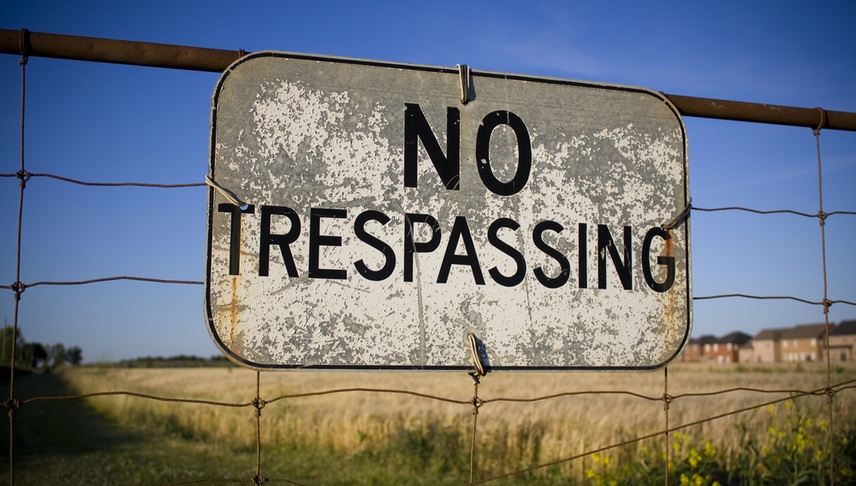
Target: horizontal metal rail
24,42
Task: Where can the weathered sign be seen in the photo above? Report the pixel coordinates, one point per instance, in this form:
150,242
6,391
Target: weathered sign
377,219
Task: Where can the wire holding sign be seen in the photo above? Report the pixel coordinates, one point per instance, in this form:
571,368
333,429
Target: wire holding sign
380,227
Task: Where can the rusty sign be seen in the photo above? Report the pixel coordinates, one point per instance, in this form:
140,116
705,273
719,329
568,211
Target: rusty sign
372,215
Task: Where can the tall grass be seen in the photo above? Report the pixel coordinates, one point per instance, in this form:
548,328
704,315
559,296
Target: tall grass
511,435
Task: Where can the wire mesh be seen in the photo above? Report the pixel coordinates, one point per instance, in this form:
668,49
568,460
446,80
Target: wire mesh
477,404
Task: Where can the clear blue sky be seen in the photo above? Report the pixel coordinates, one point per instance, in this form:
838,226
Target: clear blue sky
103,122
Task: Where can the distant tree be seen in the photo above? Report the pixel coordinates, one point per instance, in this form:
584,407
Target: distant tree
56,356
35,354
74,355
6,344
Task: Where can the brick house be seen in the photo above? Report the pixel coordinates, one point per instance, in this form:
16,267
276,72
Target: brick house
746,353
694,350
803,343
766,346
725,350
842,340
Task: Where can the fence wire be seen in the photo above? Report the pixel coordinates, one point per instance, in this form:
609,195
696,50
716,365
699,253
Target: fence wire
477,404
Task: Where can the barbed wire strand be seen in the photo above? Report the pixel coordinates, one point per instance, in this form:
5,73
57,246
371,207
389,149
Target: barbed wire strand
826,303
370,390
145,396
12,403
204,184
117,278
482,402
840,386
21,286
116,184
774,211
666,403
822,221
102,280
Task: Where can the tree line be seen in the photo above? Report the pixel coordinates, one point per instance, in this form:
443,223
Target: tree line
35,355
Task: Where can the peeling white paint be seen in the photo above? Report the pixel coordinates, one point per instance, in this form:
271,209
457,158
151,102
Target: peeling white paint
329,134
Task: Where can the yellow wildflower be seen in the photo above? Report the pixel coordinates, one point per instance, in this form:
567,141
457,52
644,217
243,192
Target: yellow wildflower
694,457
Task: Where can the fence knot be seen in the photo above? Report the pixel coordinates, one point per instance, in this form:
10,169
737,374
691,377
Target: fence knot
826,305
830,394
259,403
18,288
259,479
667,401
477,403
12,405
24,176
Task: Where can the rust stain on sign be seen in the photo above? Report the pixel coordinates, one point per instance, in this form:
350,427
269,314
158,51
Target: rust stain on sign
672,312
385,220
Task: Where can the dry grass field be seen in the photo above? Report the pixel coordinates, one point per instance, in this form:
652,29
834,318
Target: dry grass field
512,435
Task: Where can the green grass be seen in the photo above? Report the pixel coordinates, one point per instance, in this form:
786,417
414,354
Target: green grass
65,442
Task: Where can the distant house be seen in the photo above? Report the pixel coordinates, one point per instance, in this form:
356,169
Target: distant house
746,353
726,349
715,350
694,350
842,340
803,343
766,346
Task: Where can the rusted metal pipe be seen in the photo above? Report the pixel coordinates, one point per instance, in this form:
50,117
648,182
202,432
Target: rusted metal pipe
22,42
762,113
59,46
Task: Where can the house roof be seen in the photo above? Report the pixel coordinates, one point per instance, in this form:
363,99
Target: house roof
844,329
735,337
769,335
805,331
706,339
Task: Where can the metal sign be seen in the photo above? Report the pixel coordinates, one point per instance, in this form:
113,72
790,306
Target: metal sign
374,215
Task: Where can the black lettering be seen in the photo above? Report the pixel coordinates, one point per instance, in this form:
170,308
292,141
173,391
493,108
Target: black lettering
389,255
524,150
267,239
493,238
416,128
235,233
583,256
538,238
461,231
317,240
411,246
604,245
668,261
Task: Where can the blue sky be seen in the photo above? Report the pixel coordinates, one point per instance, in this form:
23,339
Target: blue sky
101,122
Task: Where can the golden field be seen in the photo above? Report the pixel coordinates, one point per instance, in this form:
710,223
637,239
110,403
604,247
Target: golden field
526,433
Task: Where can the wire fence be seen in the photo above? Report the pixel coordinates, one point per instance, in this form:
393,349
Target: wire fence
477,405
